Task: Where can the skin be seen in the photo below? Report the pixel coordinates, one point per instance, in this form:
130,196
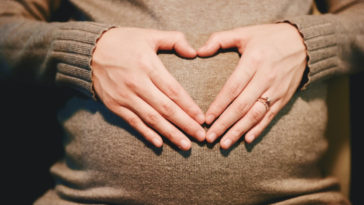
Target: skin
272,65
132,82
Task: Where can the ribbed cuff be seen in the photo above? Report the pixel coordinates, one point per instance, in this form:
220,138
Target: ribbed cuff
322,50
72,48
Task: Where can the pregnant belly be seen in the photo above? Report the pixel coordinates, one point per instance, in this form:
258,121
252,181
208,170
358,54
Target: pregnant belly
106,161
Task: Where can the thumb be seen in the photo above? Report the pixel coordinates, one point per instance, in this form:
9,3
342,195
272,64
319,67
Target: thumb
169,40
224,40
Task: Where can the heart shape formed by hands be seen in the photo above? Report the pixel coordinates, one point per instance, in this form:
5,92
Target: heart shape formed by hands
132,82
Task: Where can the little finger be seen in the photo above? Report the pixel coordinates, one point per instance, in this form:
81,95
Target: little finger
134,121
257,130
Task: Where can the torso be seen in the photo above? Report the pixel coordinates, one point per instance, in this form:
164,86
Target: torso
106,159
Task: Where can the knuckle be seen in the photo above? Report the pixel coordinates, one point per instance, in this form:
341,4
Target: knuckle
256,58
241,106
167,109
152,119
248,71
131,82
192,126
189,128
122,96
234,90
222,126
171,134
257,113
115,100
235,133
214,110
152,73
173,91
109,101
143,64
194,112
133,121
270,76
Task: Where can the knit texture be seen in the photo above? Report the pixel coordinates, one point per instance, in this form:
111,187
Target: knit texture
73,47
107,162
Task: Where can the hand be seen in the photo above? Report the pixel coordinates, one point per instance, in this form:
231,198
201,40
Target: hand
272,65
132,82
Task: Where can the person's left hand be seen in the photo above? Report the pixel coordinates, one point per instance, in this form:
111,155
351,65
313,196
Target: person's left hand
271,66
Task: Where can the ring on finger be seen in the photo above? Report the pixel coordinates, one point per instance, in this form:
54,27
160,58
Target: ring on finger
265,101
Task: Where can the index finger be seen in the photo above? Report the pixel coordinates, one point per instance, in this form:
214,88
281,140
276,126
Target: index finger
232,88
173,89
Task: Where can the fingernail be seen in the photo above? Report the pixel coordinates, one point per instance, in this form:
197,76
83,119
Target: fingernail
209,119
185,145
249,138
157,142
211,137
201,118
226,143
201,135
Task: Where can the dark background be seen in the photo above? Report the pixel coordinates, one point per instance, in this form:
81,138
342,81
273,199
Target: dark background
31,139
357,128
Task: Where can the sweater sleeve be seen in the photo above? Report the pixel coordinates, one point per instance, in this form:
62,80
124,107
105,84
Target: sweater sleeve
334,40
35,49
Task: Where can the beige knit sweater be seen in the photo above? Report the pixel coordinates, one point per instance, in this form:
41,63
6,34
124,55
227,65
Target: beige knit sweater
107,162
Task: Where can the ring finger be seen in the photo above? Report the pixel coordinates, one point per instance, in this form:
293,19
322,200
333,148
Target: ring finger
254,116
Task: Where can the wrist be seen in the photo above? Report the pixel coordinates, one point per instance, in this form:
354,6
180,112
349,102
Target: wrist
95,58
301,41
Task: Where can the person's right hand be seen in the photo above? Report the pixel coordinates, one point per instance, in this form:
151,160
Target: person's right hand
132,82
